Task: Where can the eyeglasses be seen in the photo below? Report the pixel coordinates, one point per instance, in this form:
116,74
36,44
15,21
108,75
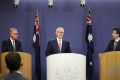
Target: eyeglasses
15,33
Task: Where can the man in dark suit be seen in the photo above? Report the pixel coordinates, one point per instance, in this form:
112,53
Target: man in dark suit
13,62
58,45
114,45
12,44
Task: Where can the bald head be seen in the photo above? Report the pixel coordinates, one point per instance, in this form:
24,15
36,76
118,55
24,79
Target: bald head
60,32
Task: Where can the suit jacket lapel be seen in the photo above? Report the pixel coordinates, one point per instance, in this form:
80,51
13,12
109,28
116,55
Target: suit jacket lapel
16,45
11,46
112,45
56,45
62,46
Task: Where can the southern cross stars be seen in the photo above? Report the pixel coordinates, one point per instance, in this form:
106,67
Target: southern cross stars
90,37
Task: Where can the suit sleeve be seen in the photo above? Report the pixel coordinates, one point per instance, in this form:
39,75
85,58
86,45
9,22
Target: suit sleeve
108,47
48,50
21,47
68,48
4,46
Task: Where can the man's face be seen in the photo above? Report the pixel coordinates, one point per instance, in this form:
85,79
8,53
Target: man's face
14,34
114,34
60,33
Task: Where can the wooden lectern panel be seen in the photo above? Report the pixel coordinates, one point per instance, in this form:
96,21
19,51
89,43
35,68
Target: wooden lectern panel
110,66
26,68
0,77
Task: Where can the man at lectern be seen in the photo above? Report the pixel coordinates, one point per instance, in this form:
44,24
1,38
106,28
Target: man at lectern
13,62
114,45
12,44
58,45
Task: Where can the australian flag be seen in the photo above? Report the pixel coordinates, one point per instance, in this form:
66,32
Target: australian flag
36,44
90,47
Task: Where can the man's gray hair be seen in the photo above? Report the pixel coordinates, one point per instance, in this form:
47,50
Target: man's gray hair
59,28
12,29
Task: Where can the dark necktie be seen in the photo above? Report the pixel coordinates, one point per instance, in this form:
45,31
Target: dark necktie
115,45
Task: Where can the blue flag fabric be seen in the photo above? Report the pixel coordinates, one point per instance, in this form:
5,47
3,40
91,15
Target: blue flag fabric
36,45
90,48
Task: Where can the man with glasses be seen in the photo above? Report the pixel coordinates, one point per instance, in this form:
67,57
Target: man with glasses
12,44
58,45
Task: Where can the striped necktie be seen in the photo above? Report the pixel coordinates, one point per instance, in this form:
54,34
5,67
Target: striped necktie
14,45
60,45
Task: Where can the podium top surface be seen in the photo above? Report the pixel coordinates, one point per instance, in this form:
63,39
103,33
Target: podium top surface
111,52
66,55
16,52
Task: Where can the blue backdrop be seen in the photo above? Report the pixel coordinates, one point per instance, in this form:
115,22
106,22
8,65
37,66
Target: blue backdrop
66,13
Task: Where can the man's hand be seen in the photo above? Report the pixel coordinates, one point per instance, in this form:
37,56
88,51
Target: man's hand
99,54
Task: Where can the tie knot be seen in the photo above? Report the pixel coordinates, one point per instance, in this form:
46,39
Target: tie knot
115,45
13,41
59,39
115,42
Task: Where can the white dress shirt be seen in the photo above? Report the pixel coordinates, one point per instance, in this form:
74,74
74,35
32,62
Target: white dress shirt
59,41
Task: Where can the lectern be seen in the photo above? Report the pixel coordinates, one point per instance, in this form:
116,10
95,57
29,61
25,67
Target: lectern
0,76
110,66
66,66
26,68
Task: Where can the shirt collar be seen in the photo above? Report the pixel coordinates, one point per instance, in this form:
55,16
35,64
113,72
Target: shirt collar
58,39
18,72
11,39
117,39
